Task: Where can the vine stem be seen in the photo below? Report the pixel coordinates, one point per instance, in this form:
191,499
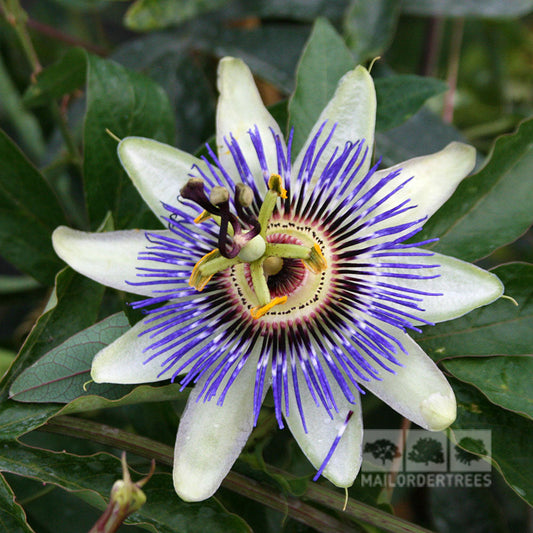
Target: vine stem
294,507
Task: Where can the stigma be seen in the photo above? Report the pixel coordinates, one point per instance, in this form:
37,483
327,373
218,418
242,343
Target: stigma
242,238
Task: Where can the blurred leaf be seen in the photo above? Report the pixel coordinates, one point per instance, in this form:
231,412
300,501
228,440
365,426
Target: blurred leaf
59,376
295,9
271,51
464,8
424,133
474,509
29,212
325,59
126,103
493,207
14,284
25,124
147,15
400,97
500,379
62,77
369,27
78,301
91,479
12,516
500,328
512,446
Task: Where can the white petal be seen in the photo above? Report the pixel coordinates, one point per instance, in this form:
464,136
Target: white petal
211,437
461,285
435,178
345,462
157,170
353,110
109,258
123,361
418,390
240,109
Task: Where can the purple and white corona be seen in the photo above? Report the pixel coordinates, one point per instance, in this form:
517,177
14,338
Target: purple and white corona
301,276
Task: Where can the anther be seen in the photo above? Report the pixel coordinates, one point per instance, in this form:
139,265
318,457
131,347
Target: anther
244,195
258,312
218,195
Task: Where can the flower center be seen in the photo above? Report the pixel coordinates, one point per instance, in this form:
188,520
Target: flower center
276,263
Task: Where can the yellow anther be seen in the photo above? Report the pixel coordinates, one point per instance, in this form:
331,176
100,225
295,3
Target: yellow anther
316,262
258,312
202,217
197,280
275,183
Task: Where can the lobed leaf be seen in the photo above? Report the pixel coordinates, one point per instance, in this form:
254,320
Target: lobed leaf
493,207
401,96
76,305
62,374
29,212
503,380
512,445
126,103
12,516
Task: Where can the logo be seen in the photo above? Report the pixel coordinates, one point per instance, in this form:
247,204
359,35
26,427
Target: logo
419,458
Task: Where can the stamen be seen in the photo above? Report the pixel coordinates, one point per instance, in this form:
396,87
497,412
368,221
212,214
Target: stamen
258,312
316,262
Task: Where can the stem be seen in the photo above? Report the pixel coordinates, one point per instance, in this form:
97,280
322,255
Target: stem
315,493
17,17
70,143
453,68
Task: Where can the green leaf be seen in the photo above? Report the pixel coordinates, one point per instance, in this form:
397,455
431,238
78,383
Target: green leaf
140,394
62,77
503,380
12,516
29,212
369,27
400,97
466,8
512,446
126,103
61,374
91,479
493,207
325,59
500,328
78,300
147,15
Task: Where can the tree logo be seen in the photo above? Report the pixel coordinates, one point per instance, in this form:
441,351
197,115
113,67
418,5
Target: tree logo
382,449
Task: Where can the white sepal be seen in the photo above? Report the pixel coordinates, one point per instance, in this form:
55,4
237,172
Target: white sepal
110,258
239,110
343,466
352,111
211,437
158,171
418,390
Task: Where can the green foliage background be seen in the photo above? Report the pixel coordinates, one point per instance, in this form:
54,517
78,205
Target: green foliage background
72,69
